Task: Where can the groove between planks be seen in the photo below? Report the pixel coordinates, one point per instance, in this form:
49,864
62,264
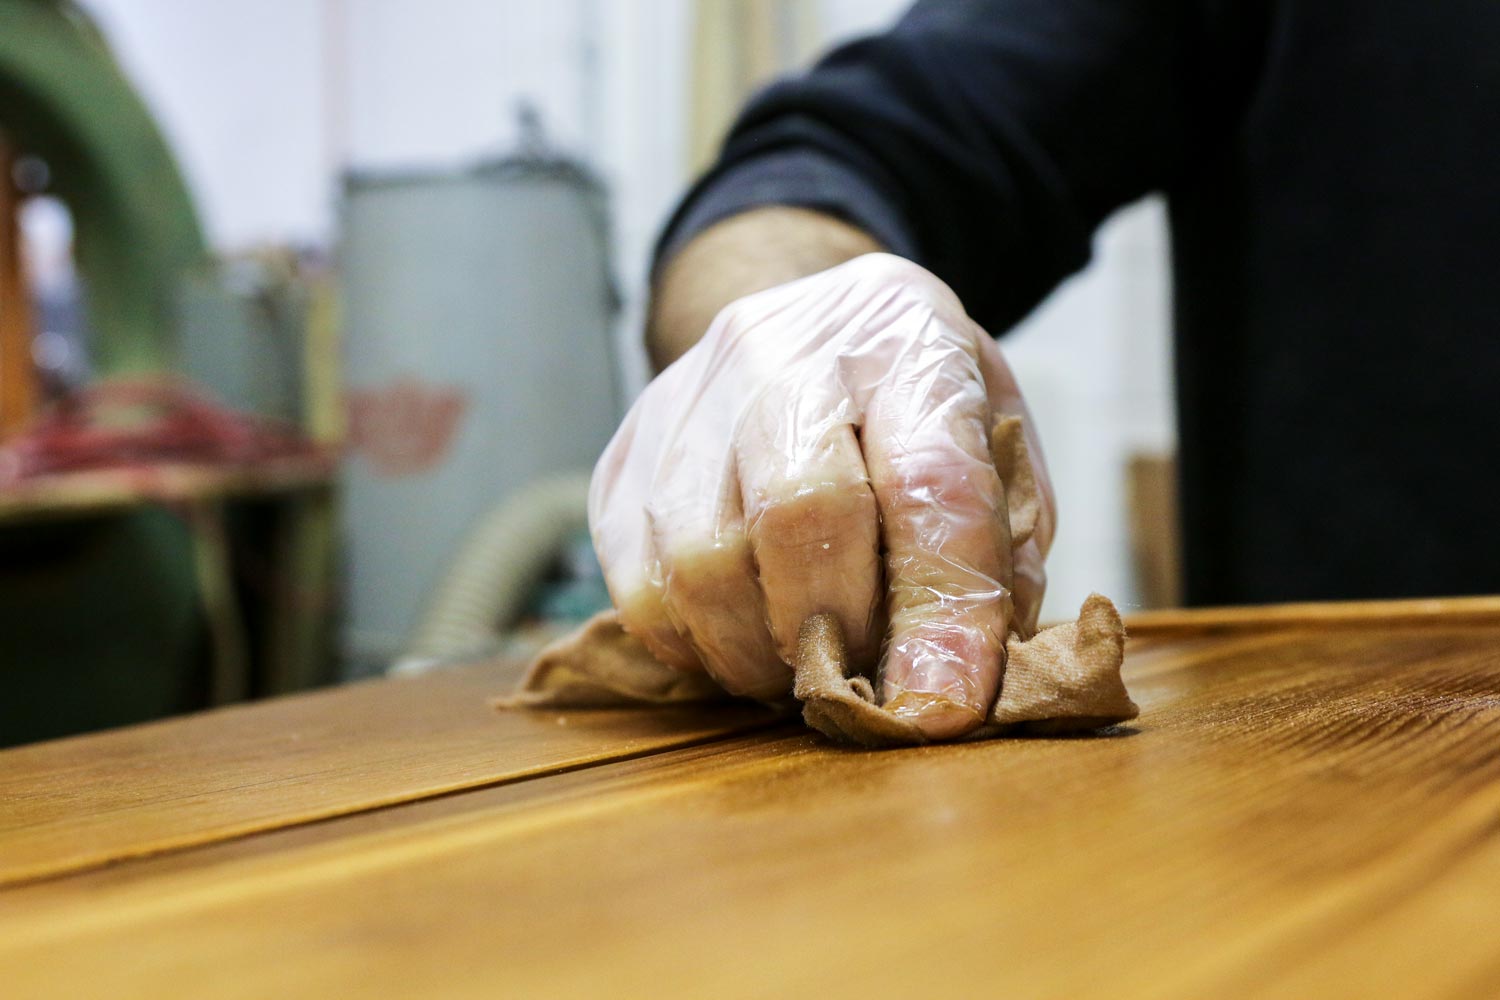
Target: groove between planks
77,804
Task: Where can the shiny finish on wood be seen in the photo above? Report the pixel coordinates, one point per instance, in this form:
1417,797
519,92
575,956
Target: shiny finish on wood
1299,811
1414,612
92,800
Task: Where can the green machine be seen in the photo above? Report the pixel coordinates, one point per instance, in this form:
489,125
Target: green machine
101,619
63,98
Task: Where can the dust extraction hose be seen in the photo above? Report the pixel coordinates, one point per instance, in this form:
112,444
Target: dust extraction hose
499,564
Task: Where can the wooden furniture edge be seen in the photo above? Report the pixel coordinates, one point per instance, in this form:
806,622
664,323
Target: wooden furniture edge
1401,613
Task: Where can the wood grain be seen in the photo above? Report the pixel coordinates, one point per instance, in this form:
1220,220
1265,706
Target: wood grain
79,803
1295,813
1444,612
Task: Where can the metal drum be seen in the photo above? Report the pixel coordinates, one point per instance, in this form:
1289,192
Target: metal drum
478,310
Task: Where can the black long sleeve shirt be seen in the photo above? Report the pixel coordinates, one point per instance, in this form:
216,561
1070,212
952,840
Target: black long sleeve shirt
1332,169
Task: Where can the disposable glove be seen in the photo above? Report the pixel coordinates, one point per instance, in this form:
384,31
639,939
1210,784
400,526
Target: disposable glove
826,448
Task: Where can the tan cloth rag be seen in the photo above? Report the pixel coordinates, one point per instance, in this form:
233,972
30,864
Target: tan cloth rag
1064,679
602,666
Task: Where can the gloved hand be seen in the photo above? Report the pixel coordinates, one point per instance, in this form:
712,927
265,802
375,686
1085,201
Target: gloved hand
826,448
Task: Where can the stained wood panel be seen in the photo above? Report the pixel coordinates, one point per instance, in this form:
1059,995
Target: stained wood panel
91,800
1303,813
1443,612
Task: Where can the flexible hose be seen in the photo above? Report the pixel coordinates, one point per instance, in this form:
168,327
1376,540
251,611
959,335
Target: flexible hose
498,566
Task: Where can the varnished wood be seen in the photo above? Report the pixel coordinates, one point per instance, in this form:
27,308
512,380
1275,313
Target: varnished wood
1327,615
78,803
1299,812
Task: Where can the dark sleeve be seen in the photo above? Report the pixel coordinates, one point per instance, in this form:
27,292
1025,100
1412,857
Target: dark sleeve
987,139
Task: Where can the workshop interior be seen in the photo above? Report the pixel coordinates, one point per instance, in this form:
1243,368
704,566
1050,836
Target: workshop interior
315,315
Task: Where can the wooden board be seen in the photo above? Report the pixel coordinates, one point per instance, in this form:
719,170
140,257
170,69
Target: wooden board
1442,612
91,800
94,491
1300,812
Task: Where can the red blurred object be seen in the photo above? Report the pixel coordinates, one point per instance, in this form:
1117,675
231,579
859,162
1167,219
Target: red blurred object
140,423
405,427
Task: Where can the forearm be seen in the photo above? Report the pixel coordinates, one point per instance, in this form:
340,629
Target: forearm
742,254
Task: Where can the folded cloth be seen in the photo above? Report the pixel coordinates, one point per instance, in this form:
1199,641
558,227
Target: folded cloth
1065,679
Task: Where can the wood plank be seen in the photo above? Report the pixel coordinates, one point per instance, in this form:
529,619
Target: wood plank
1444,612
82,802
94,491
1302,814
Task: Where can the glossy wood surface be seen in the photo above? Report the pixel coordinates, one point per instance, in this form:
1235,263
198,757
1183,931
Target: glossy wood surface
1441,612
1300,811
91,800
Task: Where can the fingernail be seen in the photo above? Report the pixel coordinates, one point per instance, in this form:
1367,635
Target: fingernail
938,717
936,680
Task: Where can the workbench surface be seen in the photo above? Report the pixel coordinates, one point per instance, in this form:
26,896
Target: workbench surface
1309,805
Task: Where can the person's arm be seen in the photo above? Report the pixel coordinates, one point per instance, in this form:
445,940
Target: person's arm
982,139
744,253
824,446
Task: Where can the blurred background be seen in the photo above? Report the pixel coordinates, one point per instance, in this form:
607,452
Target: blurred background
315,313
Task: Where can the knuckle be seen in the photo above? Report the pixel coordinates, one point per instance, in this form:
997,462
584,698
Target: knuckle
948,483
705,571
819,516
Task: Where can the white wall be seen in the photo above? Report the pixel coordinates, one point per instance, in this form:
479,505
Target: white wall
265,100
238,88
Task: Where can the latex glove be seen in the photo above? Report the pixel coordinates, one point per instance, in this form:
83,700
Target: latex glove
826,448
